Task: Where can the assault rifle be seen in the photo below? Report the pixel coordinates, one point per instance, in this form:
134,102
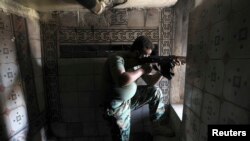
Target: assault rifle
165,64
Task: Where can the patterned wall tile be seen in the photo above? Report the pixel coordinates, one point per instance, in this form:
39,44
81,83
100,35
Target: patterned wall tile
164,85
211,109
220,10
200,45
49,39
5,34
236,82
197,96
21,136
214,77
239,37
122,36
166,47
119,17
12,97
9,74
166,24
16,120
5,22
191,125
7,51
196,73
231,114
219,39
203,132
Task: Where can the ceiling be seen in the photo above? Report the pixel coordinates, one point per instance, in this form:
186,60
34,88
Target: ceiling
67,5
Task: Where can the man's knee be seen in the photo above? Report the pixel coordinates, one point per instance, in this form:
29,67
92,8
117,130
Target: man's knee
157,91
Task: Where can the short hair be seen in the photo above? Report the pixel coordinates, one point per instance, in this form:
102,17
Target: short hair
140,43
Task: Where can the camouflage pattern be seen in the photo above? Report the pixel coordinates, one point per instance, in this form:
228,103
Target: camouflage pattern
119,112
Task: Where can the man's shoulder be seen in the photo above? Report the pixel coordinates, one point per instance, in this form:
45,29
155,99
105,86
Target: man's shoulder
115,56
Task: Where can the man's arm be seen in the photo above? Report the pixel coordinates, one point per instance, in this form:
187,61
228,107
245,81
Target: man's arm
152,79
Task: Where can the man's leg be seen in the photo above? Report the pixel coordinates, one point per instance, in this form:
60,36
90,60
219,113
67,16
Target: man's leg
119,117
152,95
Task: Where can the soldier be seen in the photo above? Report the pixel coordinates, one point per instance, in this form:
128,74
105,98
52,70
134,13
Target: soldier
123,95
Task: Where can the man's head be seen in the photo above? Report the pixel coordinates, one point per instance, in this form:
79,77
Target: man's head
142,46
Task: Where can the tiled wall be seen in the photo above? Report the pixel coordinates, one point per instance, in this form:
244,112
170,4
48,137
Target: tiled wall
217,80
78,80
20,97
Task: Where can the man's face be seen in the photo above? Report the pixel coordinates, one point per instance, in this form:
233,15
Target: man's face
144,53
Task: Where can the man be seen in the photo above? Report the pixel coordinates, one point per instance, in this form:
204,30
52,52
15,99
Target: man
121,72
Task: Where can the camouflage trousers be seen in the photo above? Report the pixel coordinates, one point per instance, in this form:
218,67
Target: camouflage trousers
119,112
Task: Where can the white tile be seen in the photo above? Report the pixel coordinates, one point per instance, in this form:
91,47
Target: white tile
5,20
12,97
21,136
236,82
219,38
136,18
211,108
232,114
9,74
214,77
16,120
7,51
239,37
152,17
